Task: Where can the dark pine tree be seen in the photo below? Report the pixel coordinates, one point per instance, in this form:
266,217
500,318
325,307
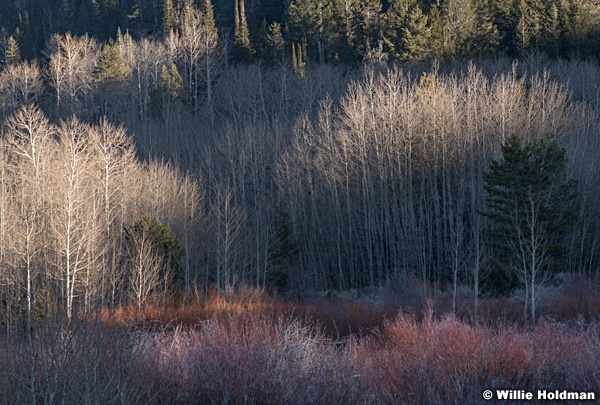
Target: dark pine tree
529,206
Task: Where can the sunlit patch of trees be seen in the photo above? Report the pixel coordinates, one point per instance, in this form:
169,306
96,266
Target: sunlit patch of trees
73,232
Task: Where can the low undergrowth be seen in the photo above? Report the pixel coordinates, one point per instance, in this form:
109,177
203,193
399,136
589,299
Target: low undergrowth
249,348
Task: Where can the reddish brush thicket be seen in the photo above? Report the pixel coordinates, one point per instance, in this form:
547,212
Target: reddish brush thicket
449,361
252,358
336,318
247,348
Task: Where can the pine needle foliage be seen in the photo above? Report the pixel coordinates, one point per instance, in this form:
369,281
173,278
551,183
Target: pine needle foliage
529,206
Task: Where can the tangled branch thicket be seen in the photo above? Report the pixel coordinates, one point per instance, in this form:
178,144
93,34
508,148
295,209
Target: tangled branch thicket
257,356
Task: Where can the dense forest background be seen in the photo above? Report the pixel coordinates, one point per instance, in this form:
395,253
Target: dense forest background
336,31
153,148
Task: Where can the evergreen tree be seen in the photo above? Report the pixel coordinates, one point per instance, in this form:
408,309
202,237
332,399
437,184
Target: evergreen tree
142,18
111,77
529,24
283,252
88,19
486,37
275,43
393,21
298,58
12,52
208,20
242,49
437,31
364,27
528,203
416,35
552,29
211,63
112,66
169,20
504,15
164,243
171,82
460,26
312,21
171,89
66,16
30,38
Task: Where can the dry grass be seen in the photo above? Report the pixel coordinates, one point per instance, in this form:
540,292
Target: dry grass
336,318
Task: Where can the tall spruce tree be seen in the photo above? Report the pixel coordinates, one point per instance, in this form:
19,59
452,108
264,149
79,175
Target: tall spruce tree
275,44
364,27
393,21
169,21
12,52
312,21
112,66
528,204
242,49
416,35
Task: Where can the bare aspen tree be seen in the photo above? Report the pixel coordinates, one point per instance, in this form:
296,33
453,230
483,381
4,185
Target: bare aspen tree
200,56
303,182
70,70
28,144
115,159
212,64
75,223
191,44
478,107
328,151
508,98
191,197
146,266
229,225
20,84
175,197
145,61
547,106
29,151
5,181
418,146
356,107
259,151
293,172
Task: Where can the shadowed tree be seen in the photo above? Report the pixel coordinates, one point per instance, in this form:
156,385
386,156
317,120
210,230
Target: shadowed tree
242,50
275,44
528,203
311,21
111,76
393,21
157,257
169,20
146,266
